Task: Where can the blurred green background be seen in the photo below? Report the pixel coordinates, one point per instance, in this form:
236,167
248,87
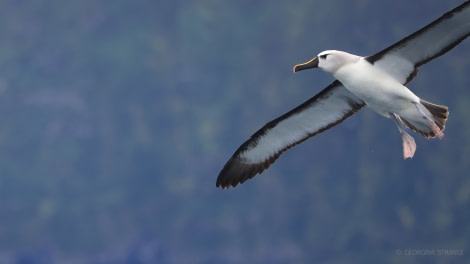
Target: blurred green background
117,116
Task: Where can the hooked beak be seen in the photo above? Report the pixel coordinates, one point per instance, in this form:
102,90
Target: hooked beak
313,63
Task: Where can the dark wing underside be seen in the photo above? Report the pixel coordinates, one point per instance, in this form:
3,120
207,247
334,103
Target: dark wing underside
321,112
403,58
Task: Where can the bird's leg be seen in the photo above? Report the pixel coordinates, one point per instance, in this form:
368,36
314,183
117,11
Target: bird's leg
430,122
409,145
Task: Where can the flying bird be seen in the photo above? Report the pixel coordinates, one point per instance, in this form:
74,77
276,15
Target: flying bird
376,81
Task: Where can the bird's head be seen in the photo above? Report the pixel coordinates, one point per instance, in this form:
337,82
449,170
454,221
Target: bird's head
329,61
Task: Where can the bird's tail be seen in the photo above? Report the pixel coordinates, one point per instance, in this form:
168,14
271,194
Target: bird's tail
439,113
432,124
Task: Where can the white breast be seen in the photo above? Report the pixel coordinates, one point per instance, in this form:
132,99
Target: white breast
379,90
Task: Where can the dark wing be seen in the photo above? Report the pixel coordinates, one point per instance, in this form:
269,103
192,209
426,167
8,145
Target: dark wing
403,58
321,112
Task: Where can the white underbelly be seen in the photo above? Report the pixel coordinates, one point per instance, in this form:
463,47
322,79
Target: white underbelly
378,90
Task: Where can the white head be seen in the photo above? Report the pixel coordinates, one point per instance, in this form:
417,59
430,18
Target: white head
329,61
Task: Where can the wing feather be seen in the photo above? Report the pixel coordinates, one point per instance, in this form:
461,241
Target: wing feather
321,112
403,58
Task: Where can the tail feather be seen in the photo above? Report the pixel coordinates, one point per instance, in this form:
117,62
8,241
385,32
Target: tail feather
439,113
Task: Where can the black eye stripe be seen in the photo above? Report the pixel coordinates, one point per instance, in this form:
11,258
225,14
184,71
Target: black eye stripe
323,56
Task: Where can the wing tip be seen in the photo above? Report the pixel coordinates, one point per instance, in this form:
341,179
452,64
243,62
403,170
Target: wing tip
236,172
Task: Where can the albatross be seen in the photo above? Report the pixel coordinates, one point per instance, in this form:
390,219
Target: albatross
376,81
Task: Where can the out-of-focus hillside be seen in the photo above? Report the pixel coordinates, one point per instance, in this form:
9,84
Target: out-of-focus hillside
117,116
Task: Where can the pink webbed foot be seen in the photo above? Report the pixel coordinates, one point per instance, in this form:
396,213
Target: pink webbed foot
409,145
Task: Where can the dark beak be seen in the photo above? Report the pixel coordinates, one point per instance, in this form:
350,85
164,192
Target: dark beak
313,63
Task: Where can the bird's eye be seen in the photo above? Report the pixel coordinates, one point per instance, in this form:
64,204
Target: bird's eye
323,56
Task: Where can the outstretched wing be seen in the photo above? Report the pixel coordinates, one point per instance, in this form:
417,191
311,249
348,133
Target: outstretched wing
321,112
403,58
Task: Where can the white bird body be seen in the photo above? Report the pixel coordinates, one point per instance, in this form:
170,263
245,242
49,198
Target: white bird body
378,89
383,93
